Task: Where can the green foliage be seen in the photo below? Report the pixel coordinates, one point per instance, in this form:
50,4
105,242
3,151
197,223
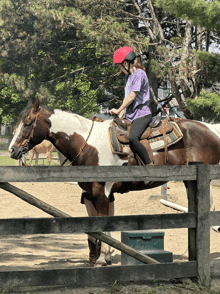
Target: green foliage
10,102
202,12
61,51
208,65
206,106
177,40
79,97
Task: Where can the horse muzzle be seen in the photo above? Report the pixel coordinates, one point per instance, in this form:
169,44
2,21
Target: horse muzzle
17,152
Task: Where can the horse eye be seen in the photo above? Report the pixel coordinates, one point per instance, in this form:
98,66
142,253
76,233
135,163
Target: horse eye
28,124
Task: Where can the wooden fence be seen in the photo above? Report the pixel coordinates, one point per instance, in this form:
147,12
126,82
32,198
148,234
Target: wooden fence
198,221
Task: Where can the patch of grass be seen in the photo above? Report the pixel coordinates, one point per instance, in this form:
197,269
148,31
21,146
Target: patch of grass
115,288
6,160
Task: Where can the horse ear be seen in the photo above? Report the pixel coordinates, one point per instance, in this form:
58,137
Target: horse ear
36,105
29,104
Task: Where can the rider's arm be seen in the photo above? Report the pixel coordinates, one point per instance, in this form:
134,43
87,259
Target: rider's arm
128,100
121,114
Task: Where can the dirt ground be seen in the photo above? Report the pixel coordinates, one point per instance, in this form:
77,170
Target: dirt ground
61,251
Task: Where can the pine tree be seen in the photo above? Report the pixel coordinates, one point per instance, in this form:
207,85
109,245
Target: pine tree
62,50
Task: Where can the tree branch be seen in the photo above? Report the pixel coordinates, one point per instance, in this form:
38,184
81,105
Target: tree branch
144,21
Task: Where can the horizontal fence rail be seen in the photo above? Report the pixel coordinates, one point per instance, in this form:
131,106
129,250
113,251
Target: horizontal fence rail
96,224
100,173
198,221
72,225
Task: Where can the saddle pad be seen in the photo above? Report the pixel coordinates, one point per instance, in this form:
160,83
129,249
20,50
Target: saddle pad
116,146
173,137
156,143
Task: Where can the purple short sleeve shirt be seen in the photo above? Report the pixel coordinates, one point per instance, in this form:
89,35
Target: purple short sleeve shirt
138,82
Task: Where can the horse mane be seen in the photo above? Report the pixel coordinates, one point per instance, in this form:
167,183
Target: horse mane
82,120
25,112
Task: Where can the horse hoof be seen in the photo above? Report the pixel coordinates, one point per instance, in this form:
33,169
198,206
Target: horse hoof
92,263
108,262
100,264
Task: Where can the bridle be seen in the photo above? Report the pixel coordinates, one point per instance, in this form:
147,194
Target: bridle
27,141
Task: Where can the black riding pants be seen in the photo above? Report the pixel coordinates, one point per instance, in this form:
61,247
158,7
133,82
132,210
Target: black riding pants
138,126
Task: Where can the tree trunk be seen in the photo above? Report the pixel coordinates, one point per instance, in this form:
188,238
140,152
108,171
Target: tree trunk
177,95
153,82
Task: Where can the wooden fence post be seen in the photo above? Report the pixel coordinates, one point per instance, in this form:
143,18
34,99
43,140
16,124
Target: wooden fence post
203,224
191,194
199,237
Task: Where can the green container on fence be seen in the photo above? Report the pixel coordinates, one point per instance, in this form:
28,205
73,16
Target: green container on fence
143,241
159,255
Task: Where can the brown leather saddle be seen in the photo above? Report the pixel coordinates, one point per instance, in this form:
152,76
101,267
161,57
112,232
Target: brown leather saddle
123,127
155,137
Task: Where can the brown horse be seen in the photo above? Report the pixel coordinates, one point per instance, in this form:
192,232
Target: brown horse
84,142
44,147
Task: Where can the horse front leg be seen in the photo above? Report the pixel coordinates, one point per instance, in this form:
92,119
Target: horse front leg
108,257
103,208
105,251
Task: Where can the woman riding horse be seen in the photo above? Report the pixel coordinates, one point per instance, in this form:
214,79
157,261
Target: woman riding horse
135,106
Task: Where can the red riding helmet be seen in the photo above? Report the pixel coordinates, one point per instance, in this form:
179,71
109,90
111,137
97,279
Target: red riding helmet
124,53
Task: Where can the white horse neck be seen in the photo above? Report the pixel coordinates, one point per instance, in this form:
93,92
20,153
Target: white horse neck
215,128
62,121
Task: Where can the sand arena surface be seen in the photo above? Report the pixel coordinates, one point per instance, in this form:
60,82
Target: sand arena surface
62,251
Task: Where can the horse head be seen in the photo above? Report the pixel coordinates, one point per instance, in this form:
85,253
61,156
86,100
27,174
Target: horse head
30,130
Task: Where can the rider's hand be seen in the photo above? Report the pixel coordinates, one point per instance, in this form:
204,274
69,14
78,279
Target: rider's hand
113,111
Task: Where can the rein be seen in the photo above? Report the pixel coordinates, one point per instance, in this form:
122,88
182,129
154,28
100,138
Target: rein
81,149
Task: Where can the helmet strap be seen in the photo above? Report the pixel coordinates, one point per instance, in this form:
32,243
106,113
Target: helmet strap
128,70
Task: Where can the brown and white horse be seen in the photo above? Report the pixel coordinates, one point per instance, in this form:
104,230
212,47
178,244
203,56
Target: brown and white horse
70,132
45,147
